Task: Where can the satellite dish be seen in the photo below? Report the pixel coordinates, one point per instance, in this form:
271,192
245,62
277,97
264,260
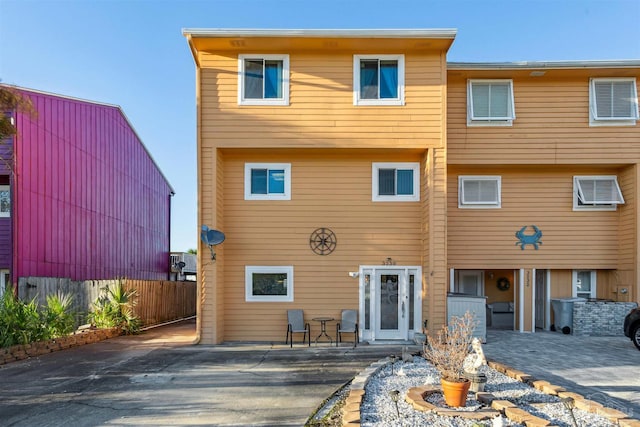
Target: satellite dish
211,238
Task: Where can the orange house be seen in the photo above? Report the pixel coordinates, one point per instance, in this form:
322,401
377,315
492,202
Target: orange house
357,169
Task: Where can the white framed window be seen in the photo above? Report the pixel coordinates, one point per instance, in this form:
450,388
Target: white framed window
5,282
584,284
5,201
596,193
267,181
269,283
613,101
490,103
479,192
395,182
378,80
263,79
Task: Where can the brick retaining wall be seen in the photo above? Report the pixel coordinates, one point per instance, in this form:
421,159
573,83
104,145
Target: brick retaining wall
600,318
20,352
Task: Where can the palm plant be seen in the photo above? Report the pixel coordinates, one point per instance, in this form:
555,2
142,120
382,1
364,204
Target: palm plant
20,322
59,319
114,309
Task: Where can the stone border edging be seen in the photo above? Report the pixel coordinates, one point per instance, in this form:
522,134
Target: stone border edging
25,351
351,409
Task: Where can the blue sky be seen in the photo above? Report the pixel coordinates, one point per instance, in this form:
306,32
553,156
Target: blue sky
132,53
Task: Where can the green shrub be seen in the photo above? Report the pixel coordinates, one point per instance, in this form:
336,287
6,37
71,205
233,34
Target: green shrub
25,322
59,319
20,322
114,309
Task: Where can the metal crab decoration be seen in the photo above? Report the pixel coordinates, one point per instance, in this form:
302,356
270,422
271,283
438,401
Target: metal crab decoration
529,239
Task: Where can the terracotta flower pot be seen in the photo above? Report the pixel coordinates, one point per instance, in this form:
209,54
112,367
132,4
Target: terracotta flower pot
455,392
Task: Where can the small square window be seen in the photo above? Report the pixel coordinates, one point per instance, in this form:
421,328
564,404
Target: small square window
596,193
490,103
584,283
5,201
479,192
613,102
269,283
395,182
378,80
263,80
267,181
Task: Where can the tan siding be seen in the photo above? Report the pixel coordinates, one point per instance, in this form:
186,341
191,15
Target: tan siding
328,189
321,111
626,276
551,126
485,238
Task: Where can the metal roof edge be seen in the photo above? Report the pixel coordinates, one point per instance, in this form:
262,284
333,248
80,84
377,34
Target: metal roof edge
441,33
622,63
102,104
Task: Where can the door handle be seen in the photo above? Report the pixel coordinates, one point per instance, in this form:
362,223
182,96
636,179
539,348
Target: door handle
403,309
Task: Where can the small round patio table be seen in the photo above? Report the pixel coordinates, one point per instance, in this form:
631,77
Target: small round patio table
323,327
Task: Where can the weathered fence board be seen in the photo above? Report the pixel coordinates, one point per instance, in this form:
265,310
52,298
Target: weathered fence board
157,301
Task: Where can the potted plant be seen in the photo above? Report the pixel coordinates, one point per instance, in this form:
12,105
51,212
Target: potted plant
447,352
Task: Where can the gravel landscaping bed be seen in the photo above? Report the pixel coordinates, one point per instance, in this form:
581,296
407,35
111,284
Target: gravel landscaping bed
378,408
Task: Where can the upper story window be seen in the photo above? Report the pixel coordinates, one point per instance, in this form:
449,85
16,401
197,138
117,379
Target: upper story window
490,103
267,181
378,80
613,101
263,80
479,192
596,193
5,201
395,182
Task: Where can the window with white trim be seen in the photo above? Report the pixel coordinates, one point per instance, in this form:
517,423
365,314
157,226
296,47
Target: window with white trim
596,193
5,201
378,80
395,182
584,284
479,191
490,102
269,283
263,79
267,181
613,101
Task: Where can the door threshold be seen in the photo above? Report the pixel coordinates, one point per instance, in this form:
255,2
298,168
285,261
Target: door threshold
391,342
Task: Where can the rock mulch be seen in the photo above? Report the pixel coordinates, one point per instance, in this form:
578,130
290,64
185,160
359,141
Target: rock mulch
510,398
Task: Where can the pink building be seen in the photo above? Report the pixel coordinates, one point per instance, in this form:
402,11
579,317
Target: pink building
81,198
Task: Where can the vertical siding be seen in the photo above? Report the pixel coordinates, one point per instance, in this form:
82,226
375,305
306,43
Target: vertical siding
90,202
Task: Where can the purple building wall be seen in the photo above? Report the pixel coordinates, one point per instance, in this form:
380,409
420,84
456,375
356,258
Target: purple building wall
89,202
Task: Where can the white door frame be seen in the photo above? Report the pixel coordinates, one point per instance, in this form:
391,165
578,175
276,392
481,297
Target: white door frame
368,281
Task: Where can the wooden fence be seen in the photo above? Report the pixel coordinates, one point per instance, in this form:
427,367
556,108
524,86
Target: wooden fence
157,301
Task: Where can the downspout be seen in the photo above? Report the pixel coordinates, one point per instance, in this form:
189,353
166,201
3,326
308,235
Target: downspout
13,192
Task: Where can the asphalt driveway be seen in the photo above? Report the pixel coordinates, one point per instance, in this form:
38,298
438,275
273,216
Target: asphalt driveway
160,379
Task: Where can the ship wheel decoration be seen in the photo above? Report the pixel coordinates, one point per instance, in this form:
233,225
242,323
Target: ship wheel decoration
322,241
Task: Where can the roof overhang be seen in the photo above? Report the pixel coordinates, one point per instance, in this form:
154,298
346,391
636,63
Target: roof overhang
309,40
542,69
